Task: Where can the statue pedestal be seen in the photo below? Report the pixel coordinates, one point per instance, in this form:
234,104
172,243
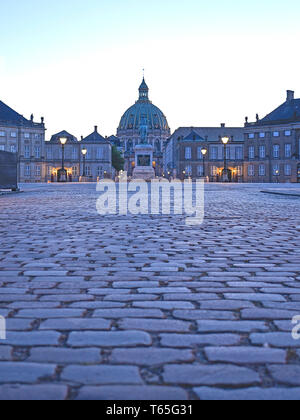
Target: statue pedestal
144,162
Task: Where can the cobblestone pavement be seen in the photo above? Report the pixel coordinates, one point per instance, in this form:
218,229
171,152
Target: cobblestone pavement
145,307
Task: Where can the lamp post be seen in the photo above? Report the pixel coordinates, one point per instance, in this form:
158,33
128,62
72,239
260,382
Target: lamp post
204,153
63,176
84,152
225,141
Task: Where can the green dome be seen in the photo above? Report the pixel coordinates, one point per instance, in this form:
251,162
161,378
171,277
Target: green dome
143,110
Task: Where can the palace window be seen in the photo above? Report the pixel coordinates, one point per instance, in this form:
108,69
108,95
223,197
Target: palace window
26,136
88,171
37,152
287,170
38,171
27,152
188,170
251,170
75,171
99,153
188,153
262,152
262,170
200,171
239,153
251,152
2,147
214,153
288,150
27,170
100,171
13,148
276,151
251,136
276,134
214,171
13,134
2,133
287,133
262,135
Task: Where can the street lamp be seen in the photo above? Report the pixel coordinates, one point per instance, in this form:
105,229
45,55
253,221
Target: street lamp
84,152
63,175
204,153
225,141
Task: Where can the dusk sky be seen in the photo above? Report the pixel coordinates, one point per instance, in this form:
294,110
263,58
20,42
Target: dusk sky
79,63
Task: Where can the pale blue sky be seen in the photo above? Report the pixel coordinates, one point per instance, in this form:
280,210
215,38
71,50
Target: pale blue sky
79,63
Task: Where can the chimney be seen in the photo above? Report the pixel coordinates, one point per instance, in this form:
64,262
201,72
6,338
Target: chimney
96,129
290,95
81,138
223,125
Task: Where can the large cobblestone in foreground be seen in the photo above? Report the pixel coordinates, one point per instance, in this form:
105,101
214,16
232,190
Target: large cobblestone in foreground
146,307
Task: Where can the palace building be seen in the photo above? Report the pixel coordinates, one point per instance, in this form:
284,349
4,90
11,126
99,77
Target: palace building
26,138
272,144
184,158
267,150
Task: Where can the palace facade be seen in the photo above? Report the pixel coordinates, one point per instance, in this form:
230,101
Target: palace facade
272,144
267,150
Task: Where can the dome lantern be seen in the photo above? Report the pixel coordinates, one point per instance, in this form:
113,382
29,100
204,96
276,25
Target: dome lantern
144,92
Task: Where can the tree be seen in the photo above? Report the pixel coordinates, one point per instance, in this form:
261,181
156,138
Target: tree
117,160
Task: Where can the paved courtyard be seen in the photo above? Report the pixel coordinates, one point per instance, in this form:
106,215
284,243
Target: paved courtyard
145,307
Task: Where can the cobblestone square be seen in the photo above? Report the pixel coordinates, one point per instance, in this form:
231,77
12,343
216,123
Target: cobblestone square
145,307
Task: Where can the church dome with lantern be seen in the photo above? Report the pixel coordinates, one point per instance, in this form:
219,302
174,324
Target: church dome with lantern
143,110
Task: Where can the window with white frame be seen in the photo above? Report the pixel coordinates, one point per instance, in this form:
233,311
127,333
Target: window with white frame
251,170
287,133
2,147
2,133
74,153
49,170
214,153
188,153
287,170
27,152
26,136
88,171
37,152
199,153
214,171
251,152
239,153
100,171
200,171
262,170
27,170
239,170
276,134
13,148
13,134
276,170
262,135
262,152
49,153
251,136
288,150
276,151
75,171
188,170
99,153
38,170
